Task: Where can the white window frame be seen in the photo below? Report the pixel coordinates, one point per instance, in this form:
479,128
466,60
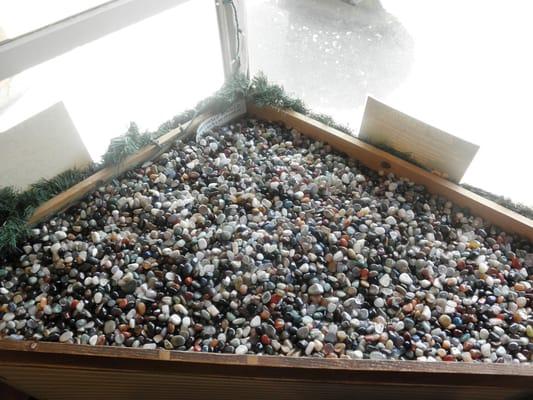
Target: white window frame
33,48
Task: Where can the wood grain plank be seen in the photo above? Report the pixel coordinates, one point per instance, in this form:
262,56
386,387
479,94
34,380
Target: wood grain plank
112,374
377,159
56,383
125,353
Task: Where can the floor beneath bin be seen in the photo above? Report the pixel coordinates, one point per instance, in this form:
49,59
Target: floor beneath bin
461,66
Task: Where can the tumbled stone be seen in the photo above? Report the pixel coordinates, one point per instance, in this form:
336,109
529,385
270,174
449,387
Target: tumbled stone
255,239
315,289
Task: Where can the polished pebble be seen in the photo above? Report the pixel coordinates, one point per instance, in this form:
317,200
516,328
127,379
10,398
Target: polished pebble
253,239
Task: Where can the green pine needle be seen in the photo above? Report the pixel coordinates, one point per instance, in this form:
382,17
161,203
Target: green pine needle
263,93
173,123
16,207
12,231
45,189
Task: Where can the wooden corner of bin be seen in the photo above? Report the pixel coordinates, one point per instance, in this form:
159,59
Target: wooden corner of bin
377,159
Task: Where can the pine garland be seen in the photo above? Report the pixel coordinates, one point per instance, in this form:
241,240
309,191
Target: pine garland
123,146
16,207
263,93
133,140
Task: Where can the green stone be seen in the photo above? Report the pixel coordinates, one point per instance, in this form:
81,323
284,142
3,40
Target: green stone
529,331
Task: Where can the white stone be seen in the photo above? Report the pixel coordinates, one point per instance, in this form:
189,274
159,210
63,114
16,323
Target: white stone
379,230
299,195
390,220
60,235
98,296
8,317
425,283
315,289
385,280
355,354
338,256
175,319
55,248
486,350
406,279
241,349
255,322
425,315
310,348
65,336
186,322
483,268
202,244
95,237
484,334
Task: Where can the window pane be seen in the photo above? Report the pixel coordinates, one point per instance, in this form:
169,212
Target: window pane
18,17
145,73
461,66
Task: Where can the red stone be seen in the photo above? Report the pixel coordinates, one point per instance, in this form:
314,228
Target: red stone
265,314
467,346
364,274
275,299
188,281
279,324
122,303
265,340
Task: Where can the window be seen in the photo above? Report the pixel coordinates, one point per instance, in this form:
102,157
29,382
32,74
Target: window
460,66
146,73
18,17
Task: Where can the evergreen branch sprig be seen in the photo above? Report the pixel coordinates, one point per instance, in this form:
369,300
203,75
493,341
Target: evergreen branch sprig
16,206
263,93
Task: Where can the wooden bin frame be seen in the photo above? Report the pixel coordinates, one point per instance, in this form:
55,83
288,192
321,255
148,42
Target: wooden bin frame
60,371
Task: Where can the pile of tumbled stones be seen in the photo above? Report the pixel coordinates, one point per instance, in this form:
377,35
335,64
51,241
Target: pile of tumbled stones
255,239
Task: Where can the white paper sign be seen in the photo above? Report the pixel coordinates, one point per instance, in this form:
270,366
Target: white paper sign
438,151
236,110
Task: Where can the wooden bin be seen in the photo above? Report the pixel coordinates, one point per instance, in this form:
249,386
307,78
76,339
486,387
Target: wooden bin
66,371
